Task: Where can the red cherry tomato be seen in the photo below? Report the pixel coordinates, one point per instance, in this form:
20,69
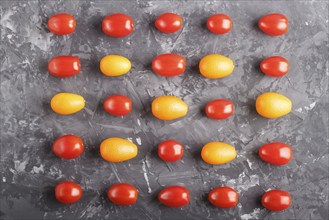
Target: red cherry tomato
275,66
174,196
62,24
219,109
170,150
68,192
219,24
276,153
276,200
118,25
122,194
68,146
223,197
118,105
169,65
273,24
169,23
64,66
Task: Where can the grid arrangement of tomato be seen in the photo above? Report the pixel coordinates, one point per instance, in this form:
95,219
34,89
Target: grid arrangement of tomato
212,66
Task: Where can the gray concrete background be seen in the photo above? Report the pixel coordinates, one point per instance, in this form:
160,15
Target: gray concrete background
29,170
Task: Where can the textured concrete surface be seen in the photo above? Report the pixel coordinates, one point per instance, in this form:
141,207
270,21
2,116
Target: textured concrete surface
29,170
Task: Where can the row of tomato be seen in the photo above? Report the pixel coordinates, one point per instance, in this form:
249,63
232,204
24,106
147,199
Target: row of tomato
121,25
268,105
212,66
124,194
118,150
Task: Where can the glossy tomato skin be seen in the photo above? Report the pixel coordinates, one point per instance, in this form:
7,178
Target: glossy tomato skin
118,150
216,66
219,109
64,66
223,197
122,194
62,24
219,24
170,150
169,23
274,24
169,108
68,147
67,103
276,153
118,25
174,196
169,65
276,200
217,153
273,105
114,65
68,192
118,105
275,66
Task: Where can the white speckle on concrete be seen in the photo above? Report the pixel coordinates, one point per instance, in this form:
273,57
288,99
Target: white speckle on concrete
146,177
139,140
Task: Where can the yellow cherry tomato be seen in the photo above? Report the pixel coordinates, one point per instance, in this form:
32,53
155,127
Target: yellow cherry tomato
115,65
218,153
118,150
67,103
273,105
169,108
215,66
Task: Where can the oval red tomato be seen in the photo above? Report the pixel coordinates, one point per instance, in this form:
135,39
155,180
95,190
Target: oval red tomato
275,66
169,23
122,194
219,24
223,197
170,150
68,146
276,200
62,24
68,192
276,153
174,196
64,66
118,105
169,65
118,25
274,24
219,109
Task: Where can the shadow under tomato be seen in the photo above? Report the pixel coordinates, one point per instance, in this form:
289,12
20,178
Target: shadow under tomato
194,69
148,66
96,24
197,154
203,111
46,107
154,153
204,23
43,68
256,67
47,150
251,105
255,25
205,200
154,197
44,24
49,200
93,66
94,151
